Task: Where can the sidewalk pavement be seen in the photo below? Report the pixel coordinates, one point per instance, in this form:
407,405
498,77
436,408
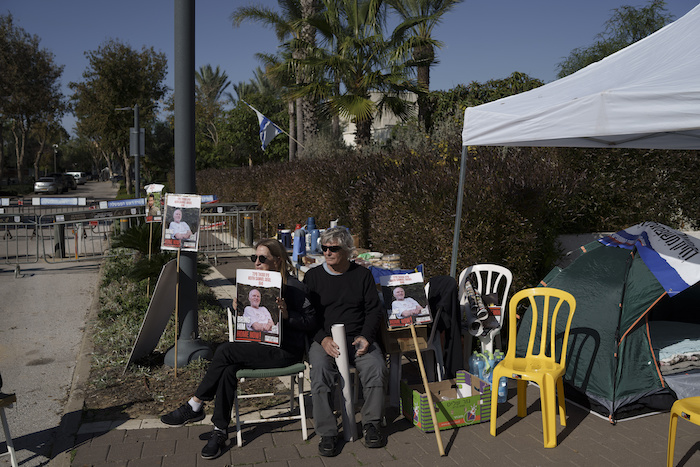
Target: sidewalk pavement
586,440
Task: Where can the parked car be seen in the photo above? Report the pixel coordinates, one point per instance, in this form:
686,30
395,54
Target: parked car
60,181
80,177
70,181
49,184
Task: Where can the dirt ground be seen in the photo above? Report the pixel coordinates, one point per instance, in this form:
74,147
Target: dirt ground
139,395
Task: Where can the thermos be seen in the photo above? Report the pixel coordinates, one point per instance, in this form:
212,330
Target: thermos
299,245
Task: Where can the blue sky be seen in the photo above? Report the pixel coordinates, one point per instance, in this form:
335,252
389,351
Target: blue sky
483,39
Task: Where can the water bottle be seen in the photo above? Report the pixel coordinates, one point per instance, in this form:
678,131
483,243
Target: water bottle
489,362
472,364
503,389
498,355
480,366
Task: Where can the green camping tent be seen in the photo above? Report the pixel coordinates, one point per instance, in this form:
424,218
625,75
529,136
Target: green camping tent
612,367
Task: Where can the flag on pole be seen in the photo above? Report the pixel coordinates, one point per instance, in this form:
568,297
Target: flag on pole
268,130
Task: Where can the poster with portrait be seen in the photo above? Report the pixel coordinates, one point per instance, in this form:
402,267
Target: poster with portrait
181,222
154,202
257,315
404,299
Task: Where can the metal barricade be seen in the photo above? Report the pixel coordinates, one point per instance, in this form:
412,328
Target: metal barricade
68,233
76,236
227,227
20,242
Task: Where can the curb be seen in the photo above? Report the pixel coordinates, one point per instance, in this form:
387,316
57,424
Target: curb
73,411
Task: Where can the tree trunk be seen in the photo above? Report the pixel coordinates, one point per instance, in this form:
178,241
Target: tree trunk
108,160
37,159
2,148
20,138
126,158
310,122
335,121
300,123
425,56
292,143
363,132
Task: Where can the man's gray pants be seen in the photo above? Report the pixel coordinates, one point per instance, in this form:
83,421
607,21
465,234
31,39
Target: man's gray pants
373,373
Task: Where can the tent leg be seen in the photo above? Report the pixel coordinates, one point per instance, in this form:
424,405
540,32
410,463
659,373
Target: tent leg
458,214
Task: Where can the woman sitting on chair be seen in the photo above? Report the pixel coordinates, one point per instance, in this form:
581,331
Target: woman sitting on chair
220,380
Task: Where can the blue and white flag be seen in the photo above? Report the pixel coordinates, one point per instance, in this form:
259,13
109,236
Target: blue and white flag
268,130
672,256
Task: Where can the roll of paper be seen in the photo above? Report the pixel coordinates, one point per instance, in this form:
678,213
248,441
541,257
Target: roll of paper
343,362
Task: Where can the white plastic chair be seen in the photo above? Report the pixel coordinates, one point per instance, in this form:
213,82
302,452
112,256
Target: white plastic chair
296,377
487,279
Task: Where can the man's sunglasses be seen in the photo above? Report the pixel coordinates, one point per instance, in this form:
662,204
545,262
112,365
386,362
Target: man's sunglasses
260,258
333,248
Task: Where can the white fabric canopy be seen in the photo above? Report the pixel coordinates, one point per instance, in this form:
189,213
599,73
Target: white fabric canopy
644,96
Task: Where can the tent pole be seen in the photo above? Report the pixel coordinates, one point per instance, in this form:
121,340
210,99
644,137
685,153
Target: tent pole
458,214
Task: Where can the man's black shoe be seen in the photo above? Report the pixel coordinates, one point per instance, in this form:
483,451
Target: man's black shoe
216,444
182,415
328,446
372,436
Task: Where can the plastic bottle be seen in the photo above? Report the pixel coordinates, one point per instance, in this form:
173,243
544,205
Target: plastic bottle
479,366
503,389
489,363
498,355
472,365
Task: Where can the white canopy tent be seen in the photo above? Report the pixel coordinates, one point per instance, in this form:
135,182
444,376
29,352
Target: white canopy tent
644,96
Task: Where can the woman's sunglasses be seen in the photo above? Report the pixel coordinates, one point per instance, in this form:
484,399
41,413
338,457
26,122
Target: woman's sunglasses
333,248
260,258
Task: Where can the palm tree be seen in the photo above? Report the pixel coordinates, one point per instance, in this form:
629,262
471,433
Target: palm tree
359,62
210,86
290,24
420,17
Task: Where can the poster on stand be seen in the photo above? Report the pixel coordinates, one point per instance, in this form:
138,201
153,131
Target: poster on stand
154,202
404,299
181,222
257,315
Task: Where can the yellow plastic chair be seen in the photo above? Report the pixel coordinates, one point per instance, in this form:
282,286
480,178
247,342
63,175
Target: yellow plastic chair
689,409
543,367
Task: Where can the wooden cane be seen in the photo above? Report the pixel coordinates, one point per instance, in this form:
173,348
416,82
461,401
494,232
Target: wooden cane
177,305
419,357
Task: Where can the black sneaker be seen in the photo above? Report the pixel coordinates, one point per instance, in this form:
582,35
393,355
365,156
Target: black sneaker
182,415
327,446
216,444
372,436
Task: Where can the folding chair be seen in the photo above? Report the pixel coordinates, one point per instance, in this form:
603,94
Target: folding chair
296,377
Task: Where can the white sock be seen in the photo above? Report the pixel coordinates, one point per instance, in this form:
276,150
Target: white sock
196,406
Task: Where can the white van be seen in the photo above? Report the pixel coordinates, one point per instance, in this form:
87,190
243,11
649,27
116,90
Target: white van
80,177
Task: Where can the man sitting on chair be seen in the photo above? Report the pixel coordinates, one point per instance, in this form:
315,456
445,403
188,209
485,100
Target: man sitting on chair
220,380
343,292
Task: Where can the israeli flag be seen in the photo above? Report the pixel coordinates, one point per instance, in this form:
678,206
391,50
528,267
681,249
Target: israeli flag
268,130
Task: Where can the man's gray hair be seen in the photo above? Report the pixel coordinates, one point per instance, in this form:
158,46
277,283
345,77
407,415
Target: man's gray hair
341,236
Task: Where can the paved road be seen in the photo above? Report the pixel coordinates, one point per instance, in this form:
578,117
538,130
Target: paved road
42,316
